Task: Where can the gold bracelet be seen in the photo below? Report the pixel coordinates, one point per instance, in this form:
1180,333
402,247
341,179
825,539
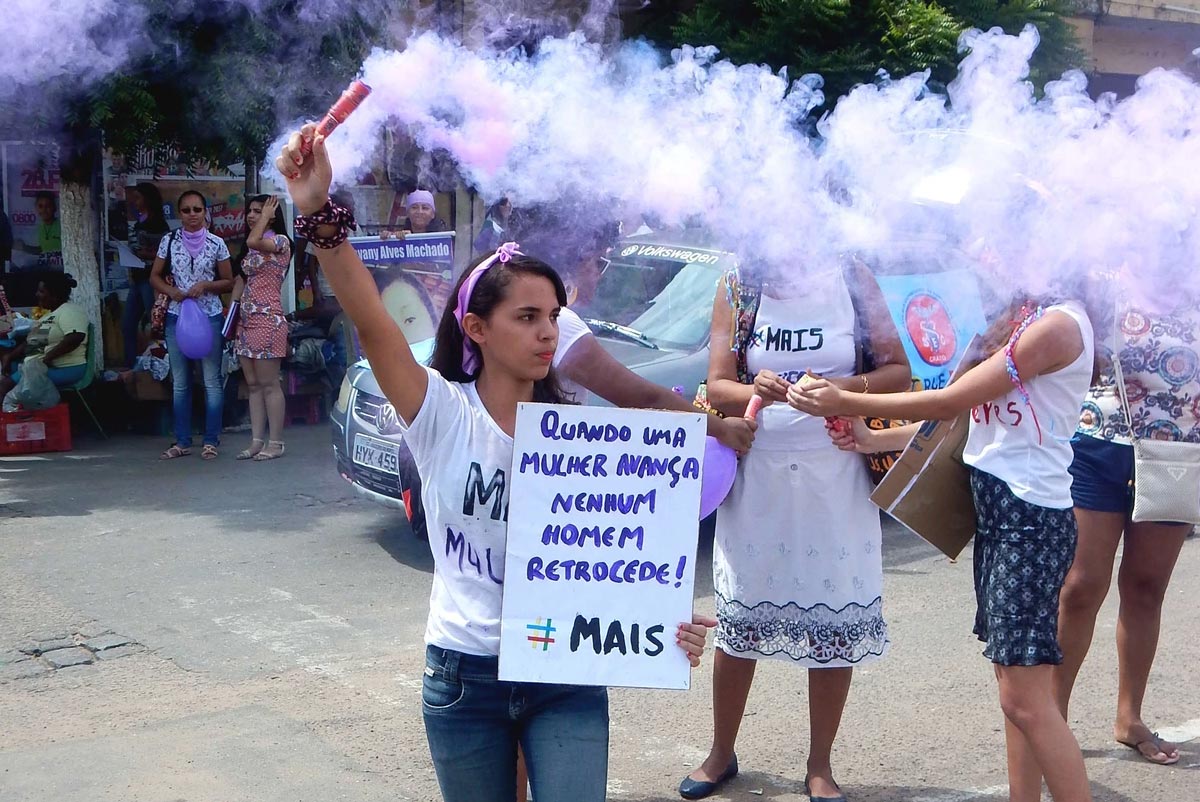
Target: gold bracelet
866,384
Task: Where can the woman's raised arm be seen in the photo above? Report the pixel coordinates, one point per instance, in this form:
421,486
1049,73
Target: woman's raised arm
402,379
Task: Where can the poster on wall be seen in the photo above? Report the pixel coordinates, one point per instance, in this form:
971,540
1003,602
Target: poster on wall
599,567
31,190
415,277
936,314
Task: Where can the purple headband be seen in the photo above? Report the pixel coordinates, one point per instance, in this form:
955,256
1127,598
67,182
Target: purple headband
503,254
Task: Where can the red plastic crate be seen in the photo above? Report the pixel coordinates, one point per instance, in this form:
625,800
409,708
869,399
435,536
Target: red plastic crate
26,432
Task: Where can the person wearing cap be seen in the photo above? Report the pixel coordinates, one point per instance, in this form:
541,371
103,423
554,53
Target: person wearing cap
422,217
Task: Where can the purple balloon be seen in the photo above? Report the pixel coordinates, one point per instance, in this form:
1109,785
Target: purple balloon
193,332
717,475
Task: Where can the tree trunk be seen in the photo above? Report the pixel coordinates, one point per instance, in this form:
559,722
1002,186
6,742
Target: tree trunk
78,215
251,182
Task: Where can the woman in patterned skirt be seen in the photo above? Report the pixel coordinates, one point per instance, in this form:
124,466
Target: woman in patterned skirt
1018,449
797,568
262,337
1160,360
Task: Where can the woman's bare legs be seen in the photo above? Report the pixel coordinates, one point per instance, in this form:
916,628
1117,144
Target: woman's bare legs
828,689
732,678
1083,594
1151,550
258,410
1039,742
274,402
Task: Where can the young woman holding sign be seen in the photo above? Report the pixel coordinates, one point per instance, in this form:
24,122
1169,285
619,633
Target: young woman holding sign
493,350
1019,450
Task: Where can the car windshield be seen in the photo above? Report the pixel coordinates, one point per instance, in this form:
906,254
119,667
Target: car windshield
668,302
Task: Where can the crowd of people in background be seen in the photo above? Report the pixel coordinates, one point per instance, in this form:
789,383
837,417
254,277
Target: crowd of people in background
1050,485
1052,510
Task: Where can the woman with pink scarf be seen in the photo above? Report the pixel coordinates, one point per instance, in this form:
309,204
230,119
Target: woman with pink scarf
198,263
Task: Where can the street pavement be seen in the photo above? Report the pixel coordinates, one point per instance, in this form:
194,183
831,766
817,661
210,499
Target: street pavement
233,631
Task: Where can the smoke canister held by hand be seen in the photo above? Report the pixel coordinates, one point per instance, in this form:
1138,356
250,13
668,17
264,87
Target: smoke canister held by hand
752,409
835,423
350,100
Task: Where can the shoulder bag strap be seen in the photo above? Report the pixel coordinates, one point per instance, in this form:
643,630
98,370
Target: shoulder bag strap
746,297
169,267
1118,373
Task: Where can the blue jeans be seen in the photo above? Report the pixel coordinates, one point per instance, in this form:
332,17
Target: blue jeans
181,377
474,722
138,304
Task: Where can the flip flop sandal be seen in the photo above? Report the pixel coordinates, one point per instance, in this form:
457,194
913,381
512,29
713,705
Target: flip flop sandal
248,454
1157,743
209,452
175,452
263,455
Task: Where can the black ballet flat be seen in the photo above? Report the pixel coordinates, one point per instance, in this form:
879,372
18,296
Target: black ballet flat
699,789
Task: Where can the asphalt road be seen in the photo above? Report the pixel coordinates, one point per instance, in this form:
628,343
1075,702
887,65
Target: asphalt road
255,634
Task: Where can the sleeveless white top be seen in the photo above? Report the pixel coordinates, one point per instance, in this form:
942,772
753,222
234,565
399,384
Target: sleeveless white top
813,332
1029,446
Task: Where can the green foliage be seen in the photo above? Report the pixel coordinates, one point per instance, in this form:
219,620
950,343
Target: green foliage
217,83
848,42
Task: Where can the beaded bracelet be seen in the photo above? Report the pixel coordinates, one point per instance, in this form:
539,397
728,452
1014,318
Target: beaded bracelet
331,214
1010,362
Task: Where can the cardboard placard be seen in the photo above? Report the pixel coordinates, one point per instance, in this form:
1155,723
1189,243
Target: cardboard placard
602,533
928,489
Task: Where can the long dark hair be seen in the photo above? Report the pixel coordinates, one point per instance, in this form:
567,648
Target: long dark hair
156,220
278,225
489,292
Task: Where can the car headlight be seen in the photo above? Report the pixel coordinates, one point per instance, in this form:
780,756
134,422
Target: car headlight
343,399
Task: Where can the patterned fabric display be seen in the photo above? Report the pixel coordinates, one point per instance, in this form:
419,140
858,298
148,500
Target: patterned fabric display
818,634
1161,362
1022,554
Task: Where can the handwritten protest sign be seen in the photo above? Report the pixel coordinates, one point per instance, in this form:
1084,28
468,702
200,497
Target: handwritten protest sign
600,561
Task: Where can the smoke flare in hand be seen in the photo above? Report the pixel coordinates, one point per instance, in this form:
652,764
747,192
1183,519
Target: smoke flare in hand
350,100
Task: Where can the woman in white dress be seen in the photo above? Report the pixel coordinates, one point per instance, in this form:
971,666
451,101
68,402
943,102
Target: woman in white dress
797,568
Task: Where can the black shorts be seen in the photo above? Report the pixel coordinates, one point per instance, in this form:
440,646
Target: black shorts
1022,555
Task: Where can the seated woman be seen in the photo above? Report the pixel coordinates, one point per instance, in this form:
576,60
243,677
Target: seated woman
59,338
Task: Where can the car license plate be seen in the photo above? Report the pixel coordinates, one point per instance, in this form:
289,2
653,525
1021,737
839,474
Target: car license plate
378,454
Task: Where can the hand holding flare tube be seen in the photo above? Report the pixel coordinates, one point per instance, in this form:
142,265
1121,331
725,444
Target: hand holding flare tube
350,100
834,423
753,407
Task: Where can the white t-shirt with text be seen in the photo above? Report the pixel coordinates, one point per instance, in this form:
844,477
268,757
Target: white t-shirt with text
465,461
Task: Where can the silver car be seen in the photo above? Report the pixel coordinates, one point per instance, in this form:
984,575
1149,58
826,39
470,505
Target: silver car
653,313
